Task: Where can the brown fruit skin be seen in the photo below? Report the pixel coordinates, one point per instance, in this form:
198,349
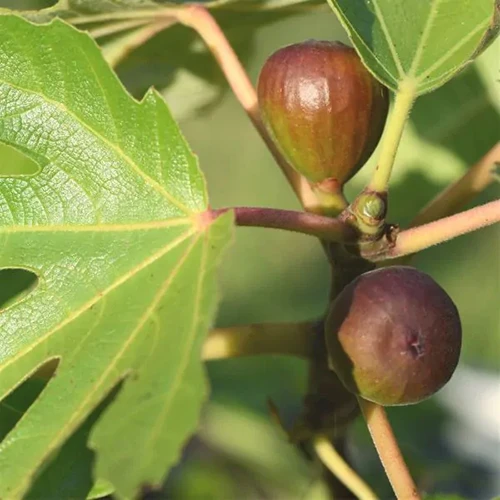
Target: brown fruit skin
323,108
393,336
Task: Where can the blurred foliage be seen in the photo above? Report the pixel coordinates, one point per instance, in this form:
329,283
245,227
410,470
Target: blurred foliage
275,276
69,472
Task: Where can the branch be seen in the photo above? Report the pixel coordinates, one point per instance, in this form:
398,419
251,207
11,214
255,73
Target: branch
200,19
422,237
325,228
405,96
458,194
341,469
388,450
292,339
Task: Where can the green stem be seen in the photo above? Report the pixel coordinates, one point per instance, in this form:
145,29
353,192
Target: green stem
292,339
341,469
117,27
118,49
129,14
331,199
405,96
461,192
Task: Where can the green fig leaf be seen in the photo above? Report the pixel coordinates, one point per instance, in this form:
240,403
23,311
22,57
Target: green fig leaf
420,44
114,225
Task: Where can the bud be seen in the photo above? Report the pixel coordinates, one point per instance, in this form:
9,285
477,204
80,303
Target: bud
393,336
323,109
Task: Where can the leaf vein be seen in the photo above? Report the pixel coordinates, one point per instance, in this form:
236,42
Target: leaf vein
452,51
423,39
99,296
388,37
156,186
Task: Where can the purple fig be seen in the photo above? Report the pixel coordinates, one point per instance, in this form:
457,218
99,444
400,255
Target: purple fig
393,336
323,109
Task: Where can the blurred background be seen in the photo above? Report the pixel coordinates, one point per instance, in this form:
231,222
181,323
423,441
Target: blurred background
452,441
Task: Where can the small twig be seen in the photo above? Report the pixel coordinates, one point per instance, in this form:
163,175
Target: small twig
118,49
341,469
458,194
123,14
200,19
116,27
291,339
388,450
325,228
422,237
403,102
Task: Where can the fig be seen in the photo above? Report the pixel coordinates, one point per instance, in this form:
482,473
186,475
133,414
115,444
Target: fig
393,336
323,109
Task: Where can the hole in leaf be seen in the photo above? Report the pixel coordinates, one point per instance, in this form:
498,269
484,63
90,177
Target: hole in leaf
70,472
14,162
27,4
15,284
15,404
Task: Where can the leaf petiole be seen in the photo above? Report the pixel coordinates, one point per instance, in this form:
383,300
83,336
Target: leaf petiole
332,459
403,102
323,227
291,339
116,27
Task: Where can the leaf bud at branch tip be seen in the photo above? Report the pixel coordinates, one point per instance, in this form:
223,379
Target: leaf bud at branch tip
367,213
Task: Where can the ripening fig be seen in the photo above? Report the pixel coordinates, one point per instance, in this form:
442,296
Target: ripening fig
323,109
393,336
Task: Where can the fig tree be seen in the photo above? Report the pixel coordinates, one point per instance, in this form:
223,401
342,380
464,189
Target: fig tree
393,336
323,109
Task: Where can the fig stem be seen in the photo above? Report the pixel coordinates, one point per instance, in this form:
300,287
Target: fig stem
332,203
461,192
422,237
403,102
291,339
341,469
321,226
388,450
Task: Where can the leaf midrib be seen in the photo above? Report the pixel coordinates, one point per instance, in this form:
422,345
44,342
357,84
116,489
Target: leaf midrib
100,228
79,413
98,296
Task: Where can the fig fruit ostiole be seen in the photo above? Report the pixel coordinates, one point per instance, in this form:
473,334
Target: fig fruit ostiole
393,336
323,109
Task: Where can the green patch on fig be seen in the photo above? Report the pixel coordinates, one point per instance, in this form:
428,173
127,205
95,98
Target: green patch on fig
393,336
323,108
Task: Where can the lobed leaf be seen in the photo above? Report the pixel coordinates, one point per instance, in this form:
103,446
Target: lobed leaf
111,225
418,43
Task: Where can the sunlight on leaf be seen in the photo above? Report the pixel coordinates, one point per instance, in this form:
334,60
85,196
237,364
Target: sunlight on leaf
126,272
422,44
